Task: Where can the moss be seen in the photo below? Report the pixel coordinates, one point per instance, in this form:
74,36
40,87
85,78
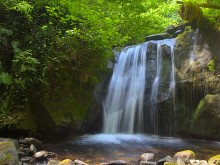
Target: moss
213,159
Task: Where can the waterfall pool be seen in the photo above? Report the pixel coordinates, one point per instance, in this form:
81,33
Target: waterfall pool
103,148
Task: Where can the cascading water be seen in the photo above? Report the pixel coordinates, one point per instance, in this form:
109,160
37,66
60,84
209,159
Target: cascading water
124,104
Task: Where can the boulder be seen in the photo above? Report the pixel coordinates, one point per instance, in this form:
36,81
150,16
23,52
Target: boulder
206,118
29,141
166,159
188,154
148,163
41,155
66,162
8,153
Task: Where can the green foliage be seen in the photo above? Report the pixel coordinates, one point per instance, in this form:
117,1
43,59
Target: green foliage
211,65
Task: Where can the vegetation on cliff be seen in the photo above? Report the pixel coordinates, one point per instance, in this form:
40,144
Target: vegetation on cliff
60,48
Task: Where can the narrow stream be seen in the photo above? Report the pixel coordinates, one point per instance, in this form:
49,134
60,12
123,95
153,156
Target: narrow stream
103,148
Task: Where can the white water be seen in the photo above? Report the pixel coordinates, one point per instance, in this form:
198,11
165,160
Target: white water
123,107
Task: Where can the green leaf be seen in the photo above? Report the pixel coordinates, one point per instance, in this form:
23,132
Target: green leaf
5,78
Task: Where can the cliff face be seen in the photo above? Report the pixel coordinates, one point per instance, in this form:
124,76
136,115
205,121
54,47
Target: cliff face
198,79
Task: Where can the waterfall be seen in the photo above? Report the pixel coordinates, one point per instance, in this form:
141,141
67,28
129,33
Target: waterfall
124,104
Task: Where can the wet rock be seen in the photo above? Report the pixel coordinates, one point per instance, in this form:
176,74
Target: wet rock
41,155
188,154
66,162
166,159
160,36
14,141
79,162
170,163
51,155
8,153
28,141
27,160
206,118
148,163
21,154
53,162
33,149
176,33
146,157
214,160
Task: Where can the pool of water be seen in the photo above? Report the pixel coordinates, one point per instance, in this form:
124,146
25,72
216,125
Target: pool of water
102,148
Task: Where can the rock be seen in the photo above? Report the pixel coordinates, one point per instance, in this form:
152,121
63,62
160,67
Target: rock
166,159
206,118
146,157
51,155
79,162
27,160
170,163
160,36
66,162
53,162
33,149
148,163
170,29
28,141
214,160
8,153
176,33
14,141
188,154
41,155
118,162
180,161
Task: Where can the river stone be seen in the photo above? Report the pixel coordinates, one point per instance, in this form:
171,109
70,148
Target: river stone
33,149
146,157
118,162
170,163
28,141
14,141
66,162
180,161
166,159
188,154
53,162
41,155
148,163
8,153
79,162
213,160
26,160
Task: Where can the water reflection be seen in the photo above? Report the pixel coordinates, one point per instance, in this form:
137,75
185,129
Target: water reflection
101,148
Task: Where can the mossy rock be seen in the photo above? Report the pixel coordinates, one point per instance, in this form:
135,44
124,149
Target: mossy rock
170,163
214,159
206,118
66,162
8,153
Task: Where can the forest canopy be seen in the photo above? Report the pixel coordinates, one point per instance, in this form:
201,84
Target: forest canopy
40,40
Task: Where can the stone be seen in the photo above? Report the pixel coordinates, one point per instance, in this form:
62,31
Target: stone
66,162
176,33
180,161
118,162
79,162
28,141
188,154
213,160
53,162
146,157
41,155
26,159
51,155
166,159
148,163
170,163
160,36
33,149
8,153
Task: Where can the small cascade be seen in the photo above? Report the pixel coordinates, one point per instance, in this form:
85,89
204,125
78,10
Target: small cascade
135,90
123,106
154,92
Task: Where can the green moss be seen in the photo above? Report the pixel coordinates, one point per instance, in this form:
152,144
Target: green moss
213,159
